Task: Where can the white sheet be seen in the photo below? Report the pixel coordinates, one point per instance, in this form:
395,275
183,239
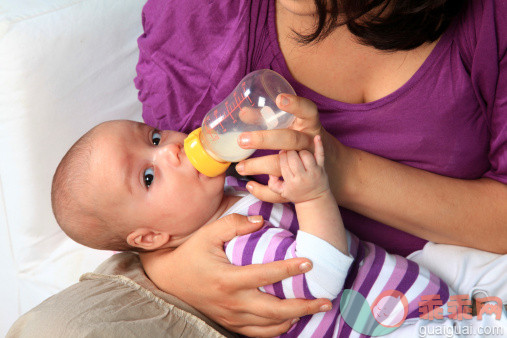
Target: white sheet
466,270
65,65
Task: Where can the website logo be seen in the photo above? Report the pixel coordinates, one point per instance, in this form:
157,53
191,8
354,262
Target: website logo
390,309
387,312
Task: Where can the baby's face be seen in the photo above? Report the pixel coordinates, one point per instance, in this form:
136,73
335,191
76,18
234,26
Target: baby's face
142,177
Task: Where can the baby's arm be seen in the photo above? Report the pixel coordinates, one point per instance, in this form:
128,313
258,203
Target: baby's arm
321,236
305,183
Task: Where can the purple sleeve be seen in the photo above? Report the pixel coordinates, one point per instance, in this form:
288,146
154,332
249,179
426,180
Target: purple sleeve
498,117
483,43
187,49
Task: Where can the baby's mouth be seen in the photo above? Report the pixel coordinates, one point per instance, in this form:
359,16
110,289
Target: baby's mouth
182,154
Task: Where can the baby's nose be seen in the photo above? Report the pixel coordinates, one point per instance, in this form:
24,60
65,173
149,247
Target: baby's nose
171,152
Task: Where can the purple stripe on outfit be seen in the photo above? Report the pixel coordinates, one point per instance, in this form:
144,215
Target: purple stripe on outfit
294,225
298,280
289,333
443,291
251,244
409,278
241,184
306,290
303,321
297,286
374,270
344,329
354,268
331,328
430,289
289,220
230,180
233,182
237,250
265,210
254,209
280,255
269,256
326,325
400,265
366,276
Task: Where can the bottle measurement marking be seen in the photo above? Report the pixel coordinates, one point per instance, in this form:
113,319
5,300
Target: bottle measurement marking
239,98
220,129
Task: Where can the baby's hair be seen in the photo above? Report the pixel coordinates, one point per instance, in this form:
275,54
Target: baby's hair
79,220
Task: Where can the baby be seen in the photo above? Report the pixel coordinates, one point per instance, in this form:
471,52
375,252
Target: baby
127,186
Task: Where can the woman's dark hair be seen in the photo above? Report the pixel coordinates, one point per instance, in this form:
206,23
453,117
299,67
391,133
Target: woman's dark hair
385,24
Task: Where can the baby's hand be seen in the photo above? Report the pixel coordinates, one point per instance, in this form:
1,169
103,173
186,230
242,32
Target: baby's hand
304,176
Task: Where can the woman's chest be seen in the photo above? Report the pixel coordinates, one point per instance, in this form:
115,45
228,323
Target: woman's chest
343,70
435,123
417,108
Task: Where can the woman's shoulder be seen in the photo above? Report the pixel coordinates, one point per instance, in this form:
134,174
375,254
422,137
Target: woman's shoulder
192,54
200,20
480,29
480,33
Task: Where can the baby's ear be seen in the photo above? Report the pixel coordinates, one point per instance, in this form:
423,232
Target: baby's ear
148,239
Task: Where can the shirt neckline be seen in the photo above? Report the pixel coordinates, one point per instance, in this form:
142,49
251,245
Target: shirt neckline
326,102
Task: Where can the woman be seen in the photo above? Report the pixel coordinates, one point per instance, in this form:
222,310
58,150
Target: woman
412,99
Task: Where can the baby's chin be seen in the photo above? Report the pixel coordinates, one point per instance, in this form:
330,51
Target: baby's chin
214,185
220,177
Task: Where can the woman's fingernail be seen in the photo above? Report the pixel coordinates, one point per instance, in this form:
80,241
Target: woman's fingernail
255,219
283,100
240,167
294,321
249,186
305,267
244,140
325,308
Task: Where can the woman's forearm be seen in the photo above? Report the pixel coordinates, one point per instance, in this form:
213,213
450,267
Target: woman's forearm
446,210
437,208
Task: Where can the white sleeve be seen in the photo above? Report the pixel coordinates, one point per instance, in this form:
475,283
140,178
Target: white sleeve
330,265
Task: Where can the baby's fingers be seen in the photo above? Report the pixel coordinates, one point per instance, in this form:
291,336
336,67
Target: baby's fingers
295,163
319,150
275,184
265,194
308,160
284,165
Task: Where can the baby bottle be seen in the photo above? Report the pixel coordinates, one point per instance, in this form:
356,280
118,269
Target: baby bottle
251,106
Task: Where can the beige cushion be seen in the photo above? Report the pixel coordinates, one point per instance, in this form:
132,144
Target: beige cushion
117,300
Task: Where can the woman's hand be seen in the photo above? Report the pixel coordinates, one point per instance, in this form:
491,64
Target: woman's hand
299,137
199,273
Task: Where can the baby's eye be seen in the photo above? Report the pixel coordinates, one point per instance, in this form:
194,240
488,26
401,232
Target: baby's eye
148,177
155,138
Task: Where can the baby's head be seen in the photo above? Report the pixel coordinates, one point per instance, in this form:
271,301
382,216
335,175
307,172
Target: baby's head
127,186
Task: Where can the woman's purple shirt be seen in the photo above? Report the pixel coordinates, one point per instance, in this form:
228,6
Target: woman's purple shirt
450,118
